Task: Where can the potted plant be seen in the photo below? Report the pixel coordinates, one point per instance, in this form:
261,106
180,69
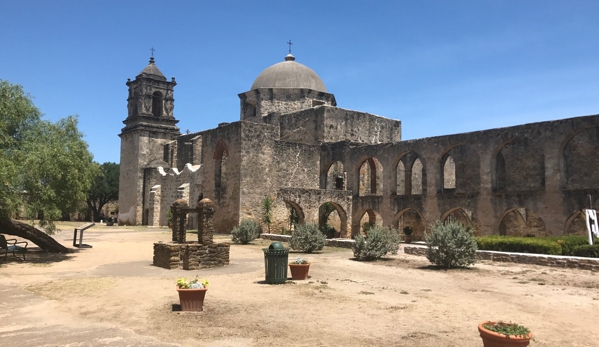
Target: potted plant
192,293
299,269
407,234
501,334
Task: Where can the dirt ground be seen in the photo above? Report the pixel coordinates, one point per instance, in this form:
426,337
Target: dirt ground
111,295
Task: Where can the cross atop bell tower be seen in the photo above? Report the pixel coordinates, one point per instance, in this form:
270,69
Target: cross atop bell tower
151,100
149,126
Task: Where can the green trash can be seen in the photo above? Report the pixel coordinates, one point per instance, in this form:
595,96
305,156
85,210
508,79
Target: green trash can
276,258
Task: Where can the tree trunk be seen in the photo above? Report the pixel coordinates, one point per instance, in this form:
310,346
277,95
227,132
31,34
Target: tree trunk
29,232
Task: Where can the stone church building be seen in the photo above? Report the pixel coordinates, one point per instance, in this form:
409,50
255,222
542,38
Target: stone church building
325,164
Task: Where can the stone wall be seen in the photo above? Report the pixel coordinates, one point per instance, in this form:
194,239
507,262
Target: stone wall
333,124
259,168
262,102
164,186
191,256
139,149
297,165
523,258
309,204
541,163
222,161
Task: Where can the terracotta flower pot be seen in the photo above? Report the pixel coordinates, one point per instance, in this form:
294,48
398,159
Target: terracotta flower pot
299,271
407,238
493,339
192,299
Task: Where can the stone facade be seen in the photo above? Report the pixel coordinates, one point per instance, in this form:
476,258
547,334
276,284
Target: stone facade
344,168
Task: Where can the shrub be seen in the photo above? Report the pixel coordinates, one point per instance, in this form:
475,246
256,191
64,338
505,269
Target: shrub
539,245
307,238
451,245
378,243
591,251
569,242
247,231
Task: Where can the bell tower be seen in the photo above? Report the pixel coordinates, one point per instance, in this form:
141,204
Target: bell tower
149,125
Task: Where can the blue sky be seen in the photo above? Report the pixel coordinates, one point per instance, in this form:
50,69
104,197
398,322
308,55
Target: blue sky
441,67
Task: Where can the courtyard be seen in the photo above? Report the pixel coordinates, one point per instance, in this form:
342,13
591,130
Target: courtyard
111,295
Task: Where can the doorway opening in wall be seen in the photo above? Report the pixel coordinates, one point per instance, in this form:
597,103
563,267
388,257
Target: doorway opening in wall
146,216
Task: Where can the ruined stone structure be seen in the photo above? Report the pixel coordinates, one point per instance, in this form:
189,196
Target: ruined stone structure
186,255
344,168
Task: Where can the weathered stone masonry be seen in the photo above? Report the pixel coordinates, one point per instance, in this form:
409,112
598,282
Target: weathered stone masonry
328,165
186,255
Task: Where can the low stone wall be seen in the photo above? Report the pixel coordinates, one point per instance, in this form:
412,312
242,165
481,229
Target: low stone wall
191,255
343,243
525,258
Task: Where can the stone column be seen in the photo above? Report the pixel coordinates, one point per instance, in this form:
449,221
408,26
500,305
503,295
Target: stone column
205,225
179,211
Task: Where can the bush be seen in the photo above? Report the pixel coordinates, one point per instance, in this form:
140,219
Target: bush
307,238
378,243
451,245
247,231
569,242
539,245
590,251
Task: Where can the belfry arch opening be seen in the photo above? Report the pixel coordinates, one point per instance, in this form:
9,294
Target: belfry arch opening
157,104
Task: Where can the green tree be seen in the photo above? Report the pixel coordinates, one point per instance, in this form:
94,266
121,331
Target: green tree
267,217
45,168
104,189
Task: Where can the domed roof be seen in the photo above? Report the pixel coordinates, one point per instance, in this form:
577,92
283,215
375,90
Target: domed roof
289,74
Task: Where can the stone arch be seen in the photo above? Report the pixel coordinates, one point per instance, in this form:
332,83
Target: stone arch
576,224
399,180
448,168
579,169
409,217
370,177
364,218
296,213
457,214
221,154
336,175
157,104
333,214
417,177
449,173
518,165
520,221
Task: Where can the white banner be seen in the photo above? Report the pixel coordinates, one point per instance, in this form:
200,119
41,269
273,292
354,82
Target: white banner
592,226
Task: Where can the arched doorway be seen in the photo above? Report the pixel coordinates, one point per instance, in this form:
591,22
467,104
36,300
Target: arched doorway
520,222
295,214
412,219
332,220
365,220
